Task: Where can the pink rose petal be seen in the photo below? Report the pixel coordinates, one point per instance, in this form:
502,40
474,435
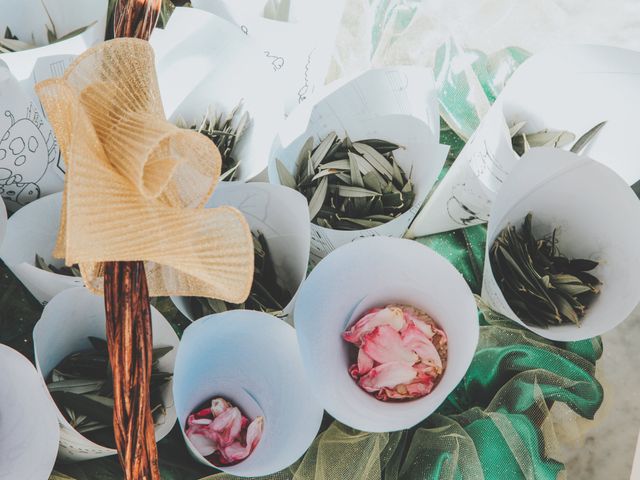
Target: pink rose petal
384,345
389,375
365,362
387,316
219,405
228,425
236,451
415,340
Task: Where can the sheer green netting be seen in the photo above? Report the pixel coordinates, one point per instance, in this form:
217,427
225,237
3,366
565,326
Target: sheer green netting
496,424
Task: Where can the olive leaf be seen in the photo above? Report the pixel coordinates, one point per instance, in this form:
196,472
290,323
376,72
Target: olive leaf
585,139
522,142
350,185
542,286
82,387
72,271
225,131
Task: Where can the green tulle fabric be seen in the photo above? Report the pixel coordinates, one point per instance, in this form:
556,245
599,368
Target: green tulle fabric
496,424
499,423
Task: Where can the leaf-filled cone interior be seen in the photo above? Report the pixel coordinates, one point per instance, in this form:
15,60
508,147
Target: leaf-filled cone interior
350,185
82,387
540,284
401,352
136,185
225,131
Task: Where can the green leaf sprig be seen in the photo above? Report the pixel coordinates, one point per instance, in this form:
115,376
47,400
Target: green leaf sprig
82,387
72,271
542,286
225,131
522,142
266,293
350,185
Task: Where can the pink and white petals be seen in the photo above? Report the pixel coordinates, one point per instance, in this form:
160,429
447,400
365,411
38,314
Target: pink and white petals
397,359
392,317
222,432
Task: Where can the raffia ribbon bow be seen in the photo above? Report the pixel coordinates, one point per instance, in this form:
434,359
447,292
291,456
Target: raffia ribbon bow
136,184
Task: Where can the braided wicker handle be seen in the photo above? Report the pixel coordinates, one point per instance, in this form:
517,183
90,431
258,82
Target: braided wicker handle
126,297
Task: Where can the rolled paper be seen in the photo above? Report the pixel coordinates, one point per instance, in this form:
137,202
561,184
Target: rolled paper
282,216
28,426
597,216
393,104
252,360
378,272
81,314
554,90
206,64
32,231
136,184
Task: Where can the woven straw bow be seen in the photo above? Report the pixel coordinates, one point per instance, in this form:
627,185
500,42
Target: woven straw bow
136,185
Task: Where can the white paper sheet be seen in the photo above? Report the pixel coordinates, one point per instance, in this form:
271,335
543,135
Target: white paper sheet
80,314
297,49
279,213
373,272
204,63
597,216
568,88
252,360
376,104
28,427
30,231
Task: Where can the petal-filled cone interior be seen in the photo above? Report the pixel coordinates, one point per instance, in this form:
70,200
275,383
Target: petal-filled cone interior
368,274
252,360
136,184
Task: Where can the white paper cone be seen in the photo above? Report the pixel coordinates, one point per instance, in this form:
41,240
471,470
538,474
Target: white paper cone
30,231
28,427
28,20
204,63
30,161
576,87
464,196
252,360
376,272
279,213
570,88
3,222
79,314
597,216
297,46
373,105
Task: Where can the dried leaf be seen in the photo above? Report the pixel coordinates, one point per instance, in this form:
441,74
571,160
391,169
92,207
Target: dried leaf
285,176
585,139
318,197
